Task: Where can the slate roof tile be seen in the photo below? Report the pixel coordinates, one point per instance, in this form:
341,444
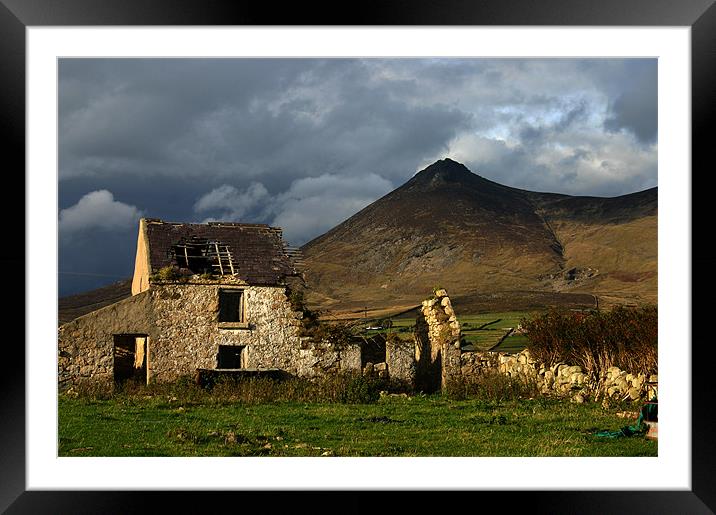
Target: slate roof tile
258,251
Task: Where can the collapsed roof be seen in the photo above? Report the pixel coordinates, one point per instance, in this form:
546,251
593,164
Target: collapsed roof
255,253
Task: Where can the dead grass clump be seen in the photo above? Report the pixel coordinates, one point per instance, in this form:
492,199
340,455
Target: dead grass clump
491,385
91,390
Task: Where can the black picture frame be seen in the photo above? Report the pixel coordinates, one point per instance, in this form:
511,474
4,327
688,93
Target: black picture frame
16,15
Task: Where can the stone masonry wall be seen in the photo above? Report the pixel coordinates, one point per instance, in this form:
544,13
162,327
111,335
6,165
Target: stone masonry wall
181,321
316,359
86,344
438,355
400,360
188,332
560,379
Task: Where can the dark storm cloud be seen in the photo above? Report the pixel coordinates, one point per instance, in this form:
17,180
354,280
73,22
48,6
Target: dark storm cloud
305,143
632,85
239,119
635,111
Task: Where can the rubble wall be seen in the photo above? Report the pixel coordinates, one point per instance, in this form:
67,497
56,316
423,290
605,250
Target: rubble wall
86,344
400,360
560,379
181,321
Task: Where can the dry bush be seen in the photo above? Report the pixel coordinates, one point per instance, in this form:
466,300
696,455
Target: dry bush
623,337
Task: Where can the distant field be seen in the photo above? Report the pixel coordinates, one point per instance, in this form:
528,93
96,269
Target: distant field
483,331
395,426
479,302
513,343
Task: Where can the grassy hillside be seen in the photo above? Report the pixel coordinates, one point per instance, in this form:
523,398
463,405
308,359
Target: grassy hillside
74,306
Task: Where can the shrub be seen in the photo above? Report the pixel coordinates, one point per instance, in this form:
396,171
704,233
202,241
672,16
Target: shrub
361,390
624,337
167,273
309,319
296,298
337,334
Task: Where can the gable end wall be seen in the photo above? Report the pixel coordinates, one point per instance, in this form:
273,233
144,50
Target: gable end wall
86,344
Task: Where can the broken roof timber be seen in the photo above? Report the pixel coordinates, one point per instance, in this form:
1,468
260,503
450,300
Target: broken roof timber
256,253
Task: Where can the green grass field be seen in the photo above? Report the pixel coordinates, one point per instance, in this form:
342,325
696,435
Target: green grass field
159,425
483,331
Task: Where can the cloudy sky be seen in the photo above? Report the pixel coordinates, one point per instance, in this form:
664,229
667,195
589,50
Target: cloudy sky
305,143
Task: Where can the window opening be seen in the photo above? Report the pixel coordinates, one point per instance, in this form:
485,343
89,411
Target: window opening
231,306
230,357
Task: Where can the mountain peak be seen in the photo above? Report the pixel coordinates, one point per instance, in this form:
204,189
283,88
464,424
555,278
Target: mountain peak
447,169
449,226
447,173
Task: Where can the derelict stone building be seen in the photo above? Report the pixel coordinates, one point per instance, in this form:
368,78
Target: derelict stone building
204,296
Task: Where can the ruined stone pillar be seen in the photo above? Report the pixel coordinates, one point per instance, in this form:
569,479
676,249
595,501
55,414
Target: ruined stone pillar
437,339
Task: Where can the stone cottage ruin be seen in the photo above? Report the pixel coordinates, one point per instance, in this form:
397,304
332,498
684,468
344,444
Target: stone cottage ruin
205,297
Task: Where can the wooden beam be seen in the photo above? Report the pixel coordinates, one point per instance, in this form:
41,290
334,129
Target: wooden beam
231,262
218,256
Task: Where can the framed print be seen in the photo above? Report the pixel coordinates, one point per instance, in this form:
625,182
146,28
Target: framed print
75,41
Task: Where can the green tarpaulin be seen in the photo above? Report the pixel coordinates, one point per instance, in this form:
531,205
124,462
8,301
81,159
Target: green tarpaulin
647,412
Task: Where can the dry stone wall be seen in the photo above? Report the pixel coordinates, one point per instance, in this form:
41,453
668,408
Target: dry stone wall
320,358
560,379
438,354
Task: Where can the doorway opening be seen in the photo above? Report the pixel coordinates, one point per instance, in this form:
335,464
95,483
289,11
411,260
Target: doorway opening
373,350
131,358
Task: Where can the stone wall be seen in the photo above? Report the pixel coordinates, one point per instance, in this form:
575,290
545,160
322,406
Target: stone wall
86,344
320,358
622,385
189,335
561,379
181,322
400,360
398,363
440,360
